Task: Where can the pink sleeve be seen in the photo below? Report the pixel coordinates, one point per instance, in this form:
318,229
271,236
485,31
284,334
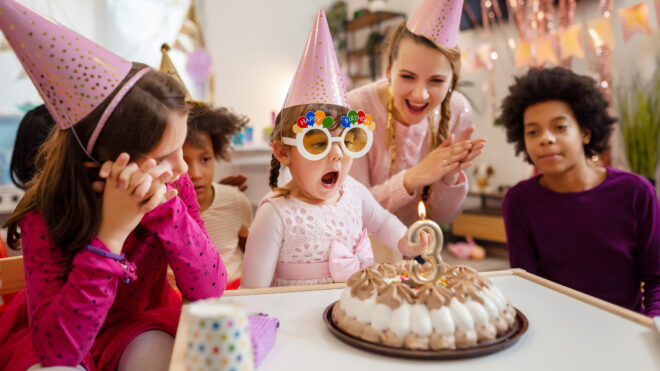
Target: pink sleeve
391,194
262,248
380,222
446,200
68,300
196,263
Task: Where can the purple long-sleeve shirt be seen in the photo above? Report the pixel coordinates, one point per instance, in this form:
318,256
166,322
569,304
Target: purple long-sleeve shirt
604,241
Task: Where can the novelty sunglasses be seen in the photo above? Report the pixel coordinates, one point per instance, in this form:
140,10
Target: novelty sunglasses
314,141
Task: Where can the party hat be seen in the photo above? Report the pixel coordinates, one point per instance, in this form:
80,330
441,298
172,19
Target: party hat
167,66
438,21
318,78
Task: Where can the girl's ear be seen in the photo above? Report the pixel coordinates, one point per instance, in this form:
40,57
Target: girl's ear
281,153
586,136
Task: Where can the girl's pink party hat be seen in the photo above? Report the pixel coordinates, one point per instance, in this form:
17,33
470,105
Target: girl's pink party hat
72,74
318,78
438,21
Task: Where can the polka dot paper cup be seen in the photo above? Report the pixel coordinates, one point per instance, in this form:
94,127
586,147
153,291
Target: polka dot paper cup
218,338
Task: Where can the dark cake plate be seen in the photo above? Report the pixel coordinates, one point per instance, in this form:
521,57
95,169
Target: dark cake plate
509,338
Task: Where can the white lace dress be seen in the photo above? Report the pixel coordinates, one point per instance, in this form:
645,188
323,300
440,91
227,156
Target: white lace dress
290,240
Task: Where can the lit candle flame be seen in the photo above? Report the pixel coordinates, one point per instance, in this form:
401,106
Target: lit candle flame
421,210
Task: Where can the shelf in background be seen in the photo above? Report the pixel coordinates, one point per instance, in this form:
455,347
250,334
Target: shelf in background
370,19
358,53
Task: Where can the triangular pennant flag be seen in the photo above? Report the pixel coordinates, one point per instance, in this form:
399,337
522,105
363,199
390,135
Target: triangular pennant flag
570,42
634,19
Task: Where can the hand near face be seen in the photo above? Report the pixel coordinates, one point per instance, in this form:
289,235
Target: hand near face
130,192
476,147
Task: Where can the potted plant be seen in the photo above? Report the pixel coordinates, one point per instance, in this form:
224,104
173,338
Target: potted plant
639,117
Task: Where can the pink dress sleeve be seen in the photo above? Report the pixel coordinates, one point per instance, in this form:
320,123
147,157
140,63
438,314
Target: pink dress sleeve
262,248
68,300
378,221
196,263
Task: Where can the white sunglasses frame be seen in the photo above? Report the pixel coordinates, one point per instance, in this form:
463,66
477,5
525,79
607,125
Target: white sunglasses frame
298,142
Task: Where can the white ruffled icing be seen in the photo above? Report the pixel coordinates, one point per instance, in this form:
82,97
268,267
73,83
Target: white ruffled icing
478,312
443,322
417,318
499,297
489,305
380,317
364,309
400,320
461,314
420,320
348,303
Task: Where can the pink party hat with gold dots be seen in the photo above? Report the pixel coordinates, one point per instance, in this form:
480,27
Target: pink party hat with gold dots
438,21
72,74
318,78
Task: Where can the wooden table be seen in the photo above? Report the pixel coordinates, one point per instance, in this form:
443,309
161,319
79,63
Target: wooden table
567,331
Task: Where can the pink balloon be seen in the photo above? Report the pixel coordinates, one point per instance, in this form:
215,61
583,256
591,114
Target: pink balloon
199,65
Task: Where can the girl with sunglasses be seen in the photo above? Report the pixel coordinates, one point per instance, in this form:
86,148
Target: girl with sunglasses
314,229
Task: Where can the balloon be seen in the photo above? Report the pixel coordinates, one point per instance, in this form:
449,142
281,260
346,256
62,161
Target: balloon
302,122
353,116
199,65
328,121
320,115
310,117
345,121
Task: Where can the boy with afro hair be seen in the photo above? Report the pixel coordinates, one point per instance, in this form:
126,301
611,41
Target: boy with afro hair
226,212
592,228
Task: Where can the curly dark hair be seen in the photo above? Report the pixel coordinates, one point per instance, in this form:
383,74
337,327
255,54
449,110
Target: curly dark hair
219,123
581,93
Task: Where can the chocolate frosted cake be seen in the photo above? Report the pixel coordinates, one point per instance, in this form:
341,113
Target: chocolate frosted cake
381,305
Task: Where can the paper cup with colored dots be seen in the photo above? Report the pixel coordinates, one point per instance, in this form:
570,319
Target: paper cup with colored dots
218,337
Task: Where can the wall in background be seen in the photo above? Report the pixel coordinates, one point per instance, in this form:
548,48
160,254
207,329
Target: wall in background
256,46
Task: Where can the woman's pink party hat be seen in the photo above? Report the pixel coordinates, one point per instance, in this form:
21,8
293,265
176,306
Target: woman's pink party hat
318,78
438,21
72,74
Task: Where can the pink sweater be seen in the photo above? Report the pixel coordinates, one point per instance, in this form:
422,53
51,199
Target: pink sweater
412,146
80,306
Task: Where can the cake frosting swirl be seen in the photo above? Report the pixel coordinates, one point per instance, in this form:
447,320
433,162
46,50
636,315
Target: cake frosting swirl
380,305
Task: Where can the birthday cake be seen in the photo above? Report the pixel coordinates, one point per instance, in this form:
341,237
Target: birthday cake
461,310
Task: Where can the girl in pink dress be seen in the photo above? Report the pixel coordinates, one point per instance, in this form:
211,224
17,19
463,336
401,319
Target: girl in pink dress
314,229
109,208
422,140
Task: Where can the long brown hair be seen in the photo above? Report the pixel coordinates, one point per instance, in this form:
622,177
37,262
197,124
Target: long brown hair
452,54
284,127
61,190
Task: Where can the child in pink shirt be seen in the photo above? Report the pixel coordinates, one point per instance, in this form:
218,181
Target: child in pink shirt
96,292
314,229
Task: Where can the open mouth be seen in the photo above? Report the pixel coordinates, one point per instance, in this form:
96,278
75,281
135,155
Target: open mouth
416,108
329,180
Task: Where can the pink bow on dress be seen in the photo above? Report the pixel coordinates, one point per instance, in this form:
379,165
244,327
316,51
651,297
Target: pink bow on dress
343,261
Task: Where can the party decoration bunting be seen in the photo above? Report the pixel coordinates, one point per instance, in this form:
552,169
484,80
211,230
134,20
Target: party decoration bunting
600,33
545,52
570,42
634,19
524,55
483,57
